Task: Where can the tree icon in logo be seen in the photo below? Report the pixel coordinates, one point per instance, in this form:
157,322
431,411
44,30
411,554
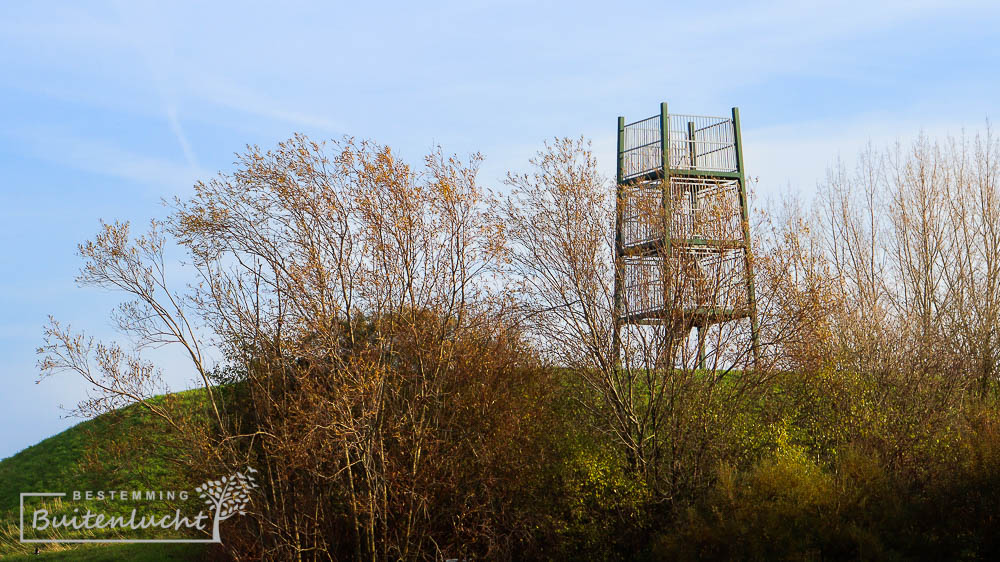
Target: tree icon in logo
228,495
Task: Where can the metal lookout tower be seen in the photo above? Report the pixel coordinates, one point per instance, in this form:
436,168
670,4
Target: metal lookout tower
682,233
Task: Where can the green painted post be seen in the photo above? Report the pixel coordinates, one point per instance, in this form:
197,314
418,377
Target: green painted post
621,150
666,272
665,188
693,157
619,299
691,146
693,196
745,210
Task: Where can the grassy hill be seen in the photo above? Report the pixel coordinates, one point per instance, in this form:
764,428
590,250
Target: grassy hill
113,553
115,451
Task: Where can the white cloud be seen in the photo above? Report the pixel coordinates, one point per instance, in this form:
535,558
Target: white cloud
105,158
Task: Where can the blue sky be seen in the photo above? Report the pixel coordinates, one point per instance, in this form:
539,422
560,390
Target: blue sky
108,107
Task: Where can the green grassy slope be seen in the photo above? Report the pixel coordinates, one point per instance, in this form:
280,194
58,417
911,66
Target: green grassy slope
113,553
110,452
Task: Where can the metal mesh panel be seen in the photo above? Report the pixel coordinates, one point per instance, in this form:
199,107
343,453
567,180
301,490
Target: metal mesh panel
700,208
705,208
696,143
642,213
642,151
710,140
710,278
700,279
643,285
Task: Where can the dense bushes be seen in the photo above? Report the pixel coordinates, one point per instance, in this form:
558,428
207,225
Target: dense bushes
833,465
443,465
788,506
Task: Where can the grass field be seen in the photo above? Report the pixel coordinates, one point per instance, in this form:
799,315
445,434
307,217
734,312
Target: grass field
110,452
108,553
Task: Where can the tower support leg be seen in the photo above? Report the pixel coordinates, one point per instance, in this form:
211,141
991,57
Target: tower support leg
619,295
700,334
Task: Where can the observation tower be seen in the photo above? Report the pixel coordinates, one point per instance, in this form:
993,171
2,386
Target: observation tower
682,232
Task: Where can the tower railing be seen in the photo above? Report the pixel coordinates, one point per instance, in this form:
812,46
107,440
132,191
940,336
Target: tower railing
701,279
705,209
696,142
643,152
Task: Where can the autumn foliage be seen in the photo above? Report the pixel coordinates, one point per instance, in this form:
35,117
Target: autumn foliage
420,368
